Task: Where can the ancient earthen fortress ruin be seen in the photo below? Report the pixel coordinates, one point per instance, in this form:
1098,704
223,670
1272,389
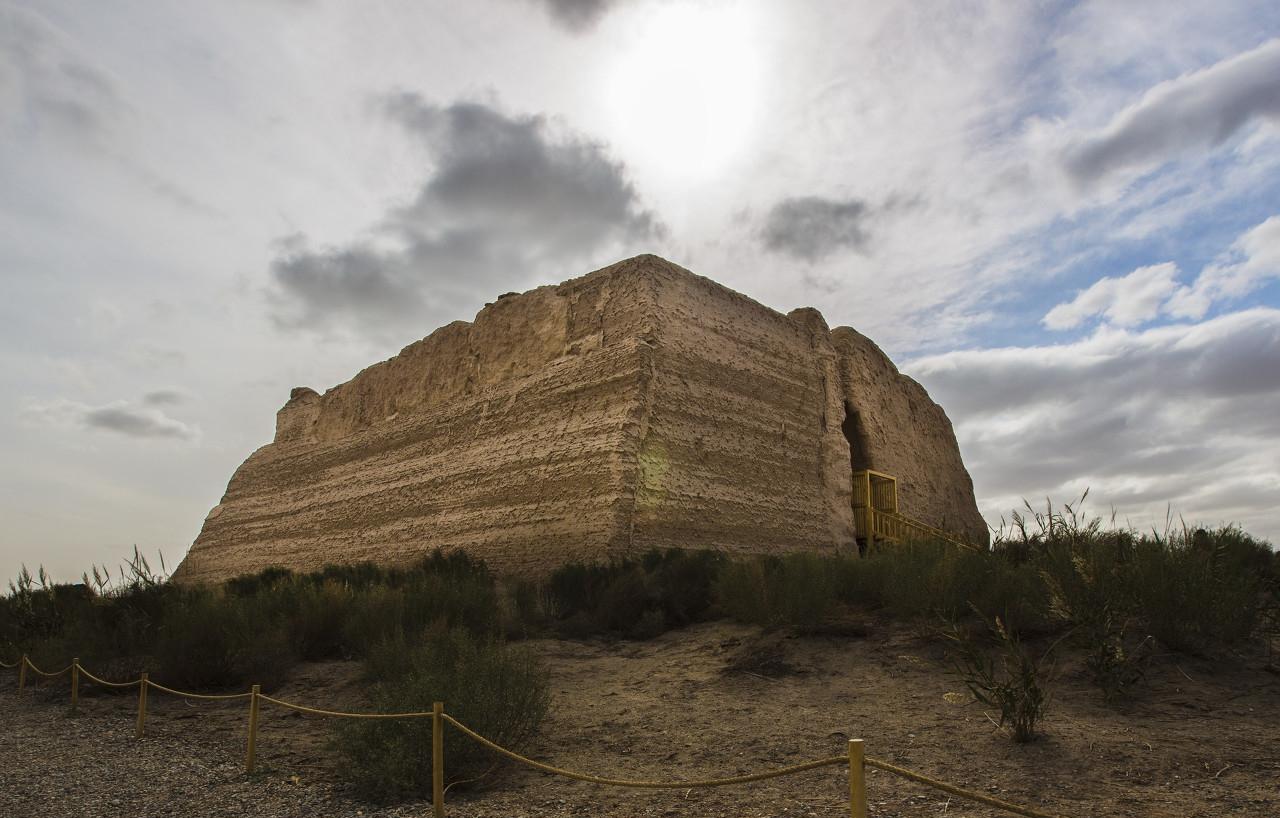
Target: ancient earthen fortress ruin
637,406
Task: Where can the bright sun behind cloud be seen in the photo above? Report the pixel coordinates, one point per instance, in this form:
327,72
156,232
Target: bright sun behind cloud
683,92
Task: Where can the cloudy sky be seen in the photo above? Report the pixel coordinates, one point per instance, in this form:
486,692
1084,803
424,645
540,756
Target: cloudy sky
1062,218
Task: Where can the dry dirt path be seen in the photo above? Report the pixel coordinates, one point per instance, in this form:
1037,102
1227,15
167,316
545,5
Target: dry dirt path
1202,740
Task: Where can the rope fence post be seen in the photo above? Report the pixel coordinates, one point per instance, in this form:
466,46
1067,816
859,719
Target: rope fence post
251,752
857,780
142,706
437,759
75,684
22,674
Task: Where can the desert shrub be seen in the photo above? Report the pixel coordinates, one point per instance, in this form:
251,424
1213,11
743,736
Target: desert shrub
423,600
497,690
1190,599
637,599
860,581
467,601
109,620
455,565
1195,591
318,619
925,580
525,607
683,582
1087,582
254,584
1017,594
1115,662
907,576
611,599
1010,680
353,575
211,641
796,590
109,639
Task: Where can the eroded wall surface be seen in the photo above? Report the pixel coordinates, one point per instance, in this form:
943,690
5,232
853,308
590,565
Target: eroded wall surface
637,406
742,448
508,437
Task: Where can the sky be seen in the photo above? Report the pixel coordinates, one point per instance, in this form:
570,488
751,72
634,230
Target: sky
1062,218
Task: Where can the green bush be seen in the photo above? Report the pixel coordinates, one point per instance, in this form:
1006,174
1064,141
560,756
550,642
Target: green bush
638,599
254,584
1011,681
1116,663
796,591
210,641
318,617
497,690
1190,600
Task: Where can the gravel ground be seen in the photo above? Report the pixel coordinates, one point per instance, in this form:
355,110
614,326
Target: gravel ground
1202,740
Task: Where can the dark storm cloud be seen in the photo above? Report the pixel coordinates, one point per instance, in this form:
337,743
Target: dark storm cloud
136,422
1198,110
506,195
164,397
120,417
577,15
1156,416
811,227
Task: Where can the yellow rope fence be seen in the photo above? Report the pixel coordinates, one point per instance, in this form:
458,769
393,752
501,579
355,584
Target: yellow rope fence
652,785
340,715
855,759
208,697
45,672
954,790
105,683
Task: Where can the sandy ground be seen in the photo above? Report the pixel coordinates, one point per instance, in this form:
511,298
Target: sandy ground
1201,739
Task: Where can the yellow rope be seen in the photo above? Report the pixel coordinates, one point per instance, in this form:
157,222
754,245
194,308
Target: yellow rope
45,673
954,790
652,785
221,697
316,712
104,682
7,665
717,782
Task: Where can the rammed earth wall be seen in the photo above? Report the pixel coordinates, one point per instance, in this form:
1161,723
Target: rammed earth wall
639,405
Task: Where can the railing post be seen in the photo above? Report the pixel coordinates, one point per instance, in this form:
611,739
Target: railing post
142,706
437,760
75,684
22,674
251,752
857,780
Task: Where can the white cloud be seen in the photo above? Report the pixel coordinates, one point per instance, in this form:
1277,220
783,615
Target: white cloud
1125,301
1252,260
1140,296
1180,415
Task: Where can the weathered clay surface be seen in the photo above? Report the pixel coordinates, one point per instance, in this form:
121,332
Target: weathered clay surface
637,406
907,435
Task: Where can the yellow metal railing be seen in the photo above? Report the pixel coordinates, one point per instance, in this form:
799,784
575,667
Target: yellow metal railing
855,759
876,515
